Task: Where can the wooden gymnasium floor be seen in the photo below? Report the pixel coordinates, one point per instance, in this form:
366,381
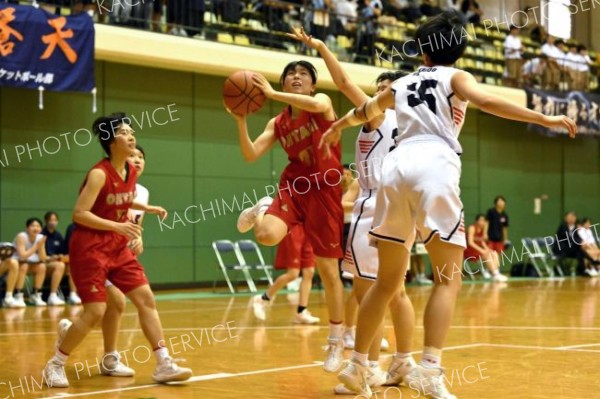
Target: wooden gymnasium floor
529,339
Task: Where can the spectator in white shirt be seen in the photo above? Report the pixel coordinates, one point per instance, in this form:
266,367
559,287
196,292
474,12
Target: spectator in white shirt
572,60
551,76
346,13
512,53
584,66
587,240
533,69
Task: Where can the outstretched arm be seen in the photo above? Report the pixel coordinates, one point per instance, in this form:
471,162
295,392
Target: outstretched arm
466,87
370,110
319,103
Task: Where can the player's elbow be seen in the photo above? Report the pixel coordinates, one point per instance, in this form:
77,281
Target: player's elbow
250,158
319,107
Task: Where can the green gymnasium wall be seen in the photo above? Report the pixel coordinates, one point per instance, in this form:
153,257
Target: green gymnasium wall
196,161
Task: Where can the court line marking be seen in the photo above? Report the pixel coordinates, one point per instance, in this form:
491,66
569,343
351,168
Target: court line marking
547,348
217,376
577,346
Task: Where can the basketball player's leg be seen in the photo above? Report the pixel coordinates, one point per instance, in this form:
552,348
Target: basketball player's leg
269,229
10,267
306,285
350,315
129,277
361,287
111,323
446,260
290,275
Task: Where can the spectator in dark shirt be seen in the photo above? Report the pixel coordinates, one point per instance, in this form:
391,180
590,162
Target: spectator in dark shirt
57,252
565,245
497,227
472,11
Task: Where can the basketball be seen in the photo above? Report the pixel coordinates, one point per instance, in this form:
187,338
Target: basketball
240,94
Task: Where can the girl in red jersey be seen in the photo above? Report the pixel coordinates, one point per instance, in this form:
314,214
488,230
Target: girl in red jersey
99,251
477,249
309,189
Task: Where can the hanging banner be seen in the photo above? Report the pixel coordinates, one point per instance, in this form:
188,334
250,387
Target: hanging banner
581,107
38,48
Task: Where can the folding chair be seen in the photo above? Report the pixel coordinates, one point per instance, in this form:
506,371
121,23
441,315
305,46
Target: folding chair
535,256
250,248
551,261
233,262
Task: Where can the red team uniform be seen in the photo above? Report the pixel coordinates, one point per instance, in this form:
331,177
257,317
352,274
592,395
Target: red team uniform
309,188
472,253
294,251
98,255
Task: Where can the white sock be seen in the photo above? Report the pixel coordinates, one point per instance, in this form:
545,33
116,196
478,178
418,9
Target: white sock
60,358
432,357
336,331
360,358
161,354
52,295
8,296
373,364
403,356
349,330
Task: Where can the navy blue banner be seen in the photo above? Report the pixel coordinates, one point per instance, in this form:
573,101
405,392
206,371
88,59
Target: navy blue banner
38,48
584,108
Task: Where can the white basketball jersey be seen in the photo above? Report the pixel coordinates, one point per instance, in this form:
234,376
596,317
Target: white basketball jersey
372,147
426,105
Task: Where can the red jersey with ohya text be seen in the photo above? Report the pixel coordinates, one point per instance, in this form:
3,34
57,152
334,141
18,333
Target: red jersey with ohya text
117,195
300,138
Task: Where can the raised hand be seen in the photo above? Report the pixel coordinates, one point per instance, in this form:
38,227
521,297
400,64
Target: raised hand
300,35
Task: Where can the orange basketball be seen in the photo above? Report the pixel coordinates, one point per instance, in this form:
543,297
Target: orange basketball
240,94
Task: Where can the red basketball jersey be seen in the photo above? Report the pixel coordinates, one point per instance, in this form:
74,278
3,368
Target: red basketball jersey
116,196
300,138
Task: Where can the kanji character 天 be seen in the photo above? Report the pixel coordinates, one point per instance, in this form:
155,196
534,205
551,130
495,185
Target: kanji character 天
58,39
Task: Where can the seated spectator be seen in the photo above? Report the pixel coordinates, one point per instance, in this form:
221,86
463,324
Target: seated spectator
472,11
10,267
57,253
586,239
564,245
452,5
477,249
30,252
319,18
584,67
512,53
429,8
551,77
572,60
532,70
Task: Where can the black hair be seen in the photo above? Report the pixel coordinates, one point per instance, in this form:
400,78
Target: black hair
572,45
304,64
140,149
512,27
30,221
106,126
48,215
581,47
449,25
559,42
584,220
392,76
346,166
543,56
498,198
480,215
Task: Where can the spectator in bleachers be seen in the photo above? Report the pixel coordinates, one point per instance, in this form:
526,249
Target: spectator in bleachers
564,243
452,5
319,18
472,11
532,70
175,17
584,67
430,8
405,10
369,11
31,254
586,239
57,253
513,48
478,250
497,225
346,15
551,77
10,267
572,60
